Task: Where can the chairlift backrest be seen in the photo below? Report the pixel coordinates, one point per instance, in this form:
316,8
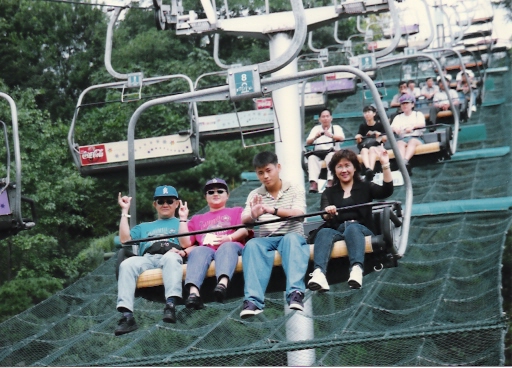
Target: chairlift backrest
11,217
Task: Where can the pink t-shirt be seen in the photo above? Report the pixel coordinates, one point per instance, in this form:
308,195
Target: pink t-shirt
212,220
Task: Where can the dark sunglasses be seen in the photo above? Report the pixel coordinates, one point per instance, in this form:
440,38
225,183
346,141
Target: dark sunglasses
169,201
218,191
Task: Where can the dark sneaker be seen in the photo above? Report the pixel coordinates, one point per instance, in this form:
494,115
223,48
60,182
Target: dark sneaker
249,309
194,301
296,301
125,325
220,292
169,313
313,187
409,168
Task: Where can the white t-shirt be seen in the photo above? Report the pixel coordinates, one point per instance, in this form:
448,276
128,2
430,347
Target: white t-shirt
328,142
442,97
402,122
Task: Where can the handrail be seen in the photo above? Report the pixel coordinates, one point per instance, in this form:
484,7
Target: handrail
259,223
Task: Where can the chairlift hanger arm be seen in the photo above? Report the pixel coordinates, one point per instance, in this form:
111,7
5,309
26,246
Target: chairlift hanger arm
259,223
108,44
265,23
17,156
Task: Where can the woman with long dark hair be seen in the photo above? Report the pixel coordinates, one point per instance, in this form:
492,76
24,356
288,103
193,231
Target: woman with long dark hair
353,225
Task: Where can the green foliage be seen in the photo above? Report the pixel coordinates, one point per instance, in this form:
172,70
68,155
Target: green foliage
21,294
92,256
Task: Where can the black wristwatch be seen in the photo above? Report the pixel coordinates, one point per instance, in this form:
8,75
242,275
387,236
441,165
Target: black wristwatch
275,211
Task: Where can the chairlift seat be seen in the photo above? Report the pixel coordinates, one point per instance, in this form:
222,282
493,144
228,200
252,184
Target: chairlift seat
9,222
436,148
382,246
223,125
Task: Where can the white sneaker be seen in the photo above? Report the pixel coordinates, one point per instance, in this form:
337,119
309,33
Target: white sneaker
473,108
355,280
318,281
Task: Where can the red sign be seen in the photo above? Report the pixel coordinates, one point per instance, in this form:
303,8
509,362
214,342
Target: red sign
263,103
331,76
372,45
92,155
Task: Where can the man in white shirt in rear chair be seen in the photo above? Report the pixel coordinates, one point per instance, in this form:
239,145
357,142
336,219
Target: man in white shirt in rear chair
441,101
324,138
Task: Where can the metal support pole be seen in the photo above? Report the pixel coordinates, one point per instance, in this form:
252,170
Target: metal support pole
299,328
286,103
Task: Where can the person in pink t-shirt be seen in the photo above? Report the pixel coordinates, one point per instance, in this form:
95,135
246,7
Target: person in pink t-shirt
222,246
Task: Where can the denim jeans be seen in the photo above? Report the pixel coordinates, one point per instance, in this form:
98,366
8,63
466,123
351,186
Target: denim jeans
354,234
258,260
226,258
131,268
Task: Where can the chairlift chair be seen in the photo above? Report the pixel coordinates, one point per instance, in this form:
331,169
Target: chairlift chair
155,155
11,199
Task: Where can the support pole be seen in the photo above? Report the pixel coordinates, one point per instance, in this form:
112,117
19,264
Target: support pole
299,328
286,107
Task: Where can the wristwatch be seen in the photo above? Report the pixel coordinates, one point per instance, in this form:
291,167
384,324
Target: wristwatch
275,211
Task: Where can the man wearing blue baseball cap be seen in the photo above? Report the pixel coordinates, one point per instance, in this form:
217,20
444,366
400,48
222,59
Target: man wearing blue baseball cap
223,246
166,254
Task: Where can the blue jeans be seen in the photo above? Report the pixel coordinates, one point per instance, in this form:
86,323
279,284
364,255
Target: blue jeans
226,258
354,234
131,268
258,260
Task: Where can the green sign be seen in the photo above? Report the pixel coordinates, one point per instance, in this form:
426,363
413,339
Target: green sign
244,82
367,62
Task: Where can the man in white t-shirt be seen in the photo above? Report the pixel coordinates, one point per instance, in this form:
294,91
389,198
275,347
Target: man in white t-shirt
324,138
441,101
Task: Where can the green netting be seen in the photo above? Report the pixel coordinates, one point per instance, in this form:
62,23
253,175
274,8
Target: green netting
441,306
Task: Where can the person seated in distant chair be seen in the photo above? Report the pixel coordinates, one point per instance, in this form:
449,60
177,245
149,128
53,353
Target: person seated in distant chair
223,246
325,137
402,89
429,89
407,128
441,101
369,137
165,254
415,91
447,76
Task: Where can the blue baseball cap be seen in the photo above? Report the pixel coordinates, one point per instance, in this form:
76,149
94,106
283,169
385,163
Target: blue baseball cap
165,191
215,183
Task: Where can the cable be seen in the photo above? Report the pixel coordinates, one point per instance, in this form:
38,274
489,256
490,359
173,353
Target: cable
93,4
